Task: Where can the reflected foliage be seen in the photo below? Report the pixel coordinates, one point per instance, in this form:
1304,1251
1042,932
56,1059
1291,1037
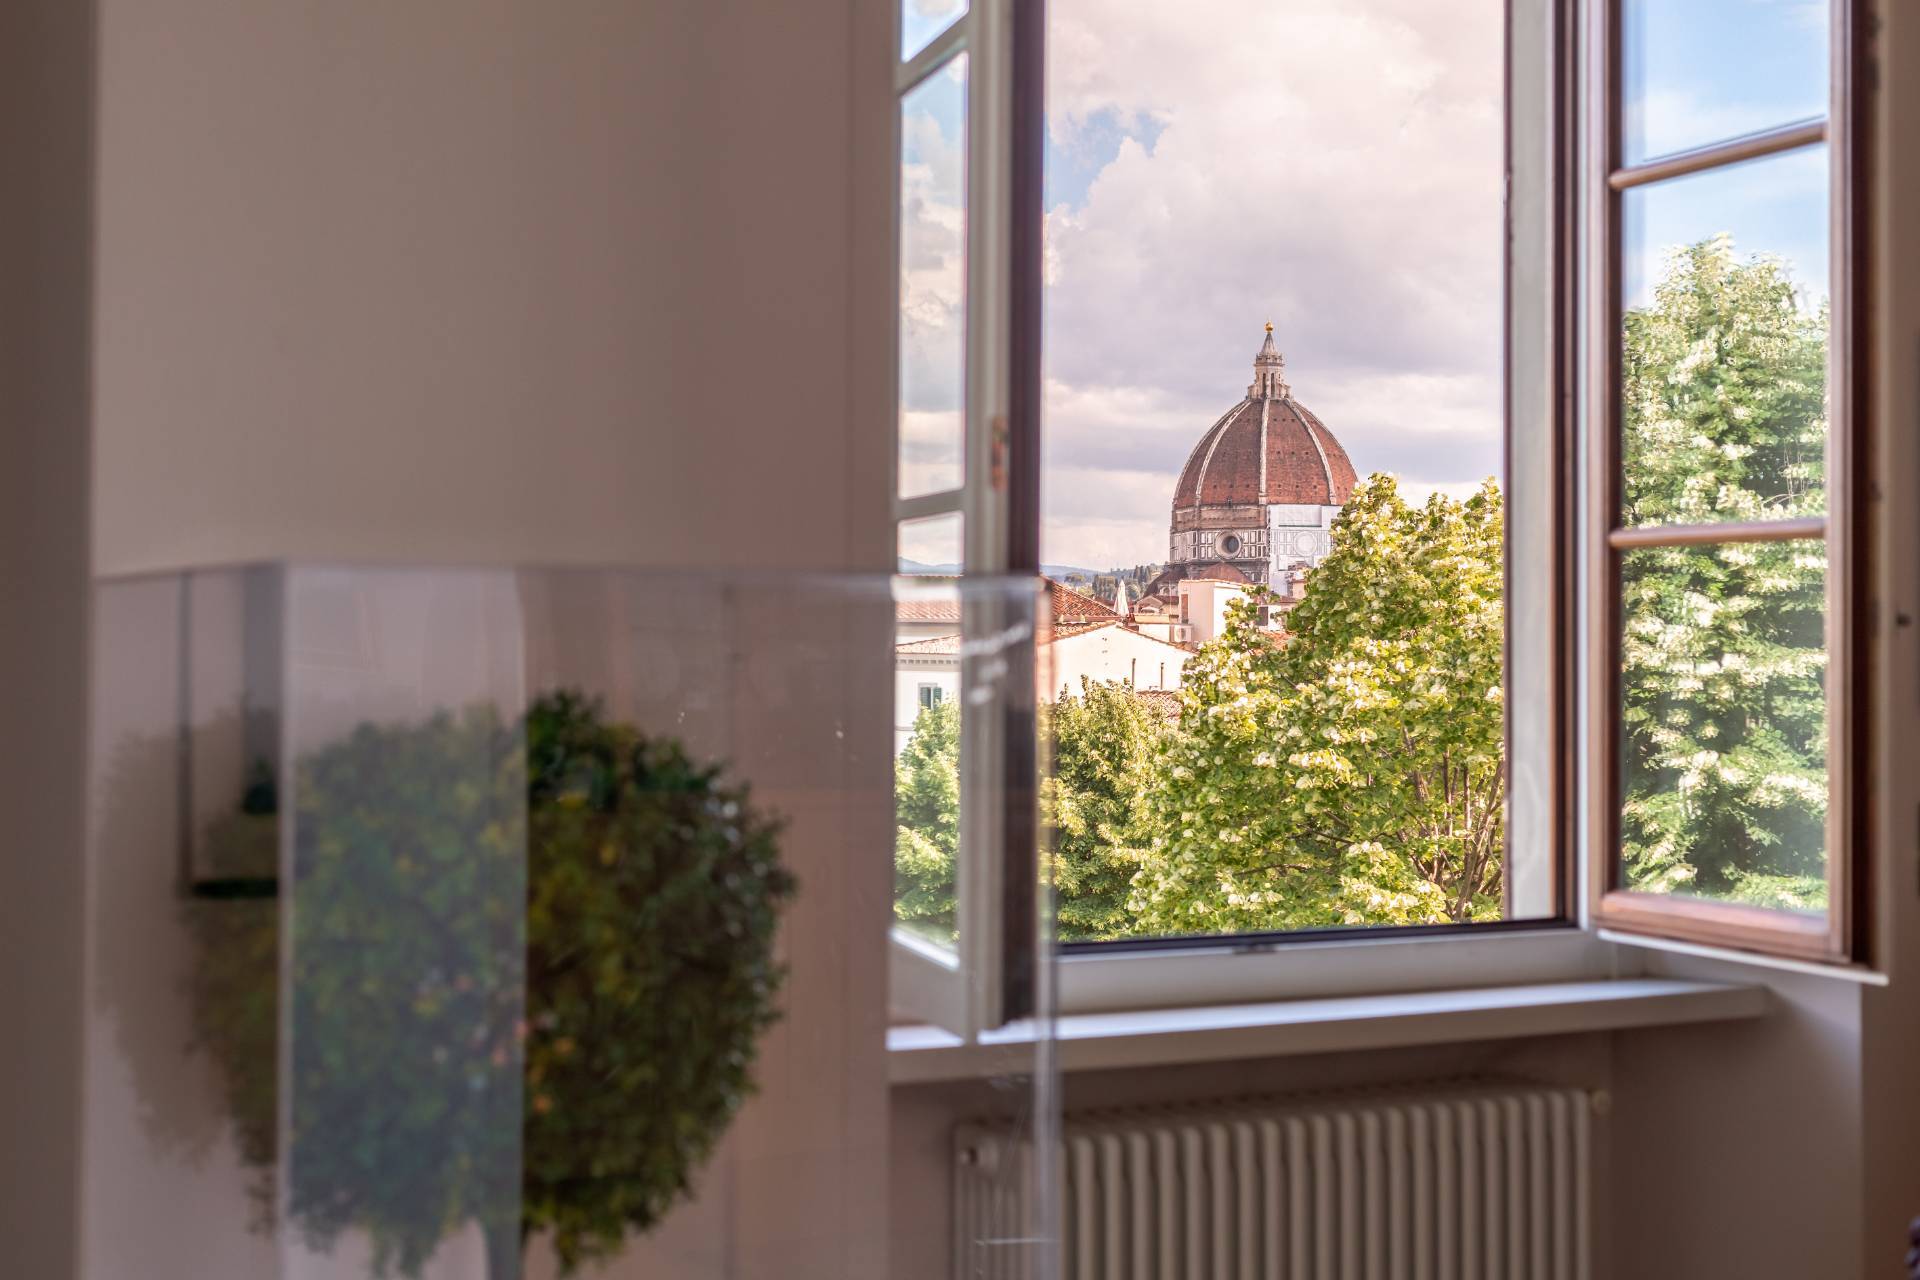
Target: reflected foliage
529,968
1723,395
1723,758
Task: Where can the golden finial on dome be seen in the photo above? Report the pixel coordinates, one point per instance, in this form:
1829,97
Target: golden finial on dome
1269,326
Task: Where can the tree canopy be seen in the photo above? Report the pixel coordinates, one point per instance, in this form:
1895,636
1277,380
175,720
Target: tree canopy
1348,771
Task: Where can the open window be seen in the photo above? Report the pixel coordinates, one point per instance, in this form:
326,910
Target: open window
1570,525
967,901
1724,482
1308,424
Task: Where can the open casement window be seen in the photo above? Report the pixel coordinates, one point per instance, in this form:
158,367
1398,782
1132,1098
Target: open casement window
969,116
1723,480
964,502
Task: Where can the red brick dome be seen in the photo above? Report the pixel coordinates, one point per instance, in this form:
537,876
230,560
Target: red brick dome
1267,449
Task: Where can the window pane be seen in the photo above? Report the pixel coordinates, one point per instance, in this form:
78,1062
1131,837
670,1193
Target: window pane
933,281
932,545
927,762
1306,516
922,20
1723,758
1724,342
1695,72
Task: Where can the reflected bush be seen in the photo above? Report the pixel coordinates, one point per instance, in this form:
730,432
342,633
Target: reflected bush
530,966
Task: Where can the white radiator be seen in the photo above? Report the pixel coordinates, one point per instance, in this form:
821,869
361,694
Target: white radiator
1457,1182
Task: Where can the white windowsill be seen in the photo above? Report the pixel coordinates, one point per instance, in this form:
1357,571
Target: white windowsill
1084,1042
1839,972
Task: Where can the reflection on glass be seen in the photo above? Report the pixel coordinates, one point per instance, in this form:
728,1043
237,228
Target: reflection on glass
926,742
1695,72
438,910
933,280
922,20
1723,344
1723,758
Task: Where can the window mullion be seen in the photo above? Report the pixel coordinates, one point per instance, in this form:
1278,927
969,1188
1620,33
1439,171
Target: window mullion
1750,147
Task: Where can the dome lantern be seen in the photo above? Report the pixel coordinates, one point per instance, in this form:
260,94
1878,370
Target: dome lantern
1269,372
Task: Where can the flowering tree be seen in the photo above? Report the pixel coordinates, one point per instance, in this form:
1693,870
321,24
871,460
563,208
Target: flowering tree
1349,771
1106,745
926,802
1722,651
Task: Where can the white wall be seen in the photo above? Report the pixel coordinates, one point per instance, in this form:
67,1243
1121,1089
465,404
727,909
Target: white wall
1203,607
481,281
1109,654
477,281
907,679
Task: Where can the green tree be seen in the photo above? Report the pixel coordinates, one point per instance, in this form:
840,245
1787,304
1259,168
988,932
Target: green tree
1106,744
926,800
1349,771
1722,652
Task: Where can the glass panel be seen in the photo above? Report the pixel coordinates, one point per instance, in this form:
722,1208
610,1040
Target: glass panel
933,544
933,281
1724,344
927,733
446,917
1260,745
1723,756
1695,72
922,20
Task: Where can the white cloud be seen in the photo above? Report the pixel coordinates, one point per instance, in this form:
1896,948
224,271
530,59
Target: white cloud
932,281
1331,165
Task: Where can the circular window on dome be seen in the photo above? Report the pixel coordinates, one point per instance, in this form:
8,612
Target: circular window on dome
1230,544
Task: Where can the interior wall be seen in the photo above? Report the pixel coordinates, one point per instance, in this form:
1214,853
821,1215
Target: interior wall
46,217
1737,1146
495,281
1890,1047
479,281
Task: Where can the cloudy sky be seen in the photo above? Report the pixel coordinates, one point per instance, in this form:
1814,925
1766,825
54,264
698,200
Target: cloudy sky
1333,166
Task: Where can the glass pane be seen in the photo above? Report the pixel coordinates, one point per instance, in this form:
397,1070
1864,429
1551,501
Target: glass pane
935,544
1724,344
1723,755
927,759
922,20
532,914
1262,743
1694,72
933,281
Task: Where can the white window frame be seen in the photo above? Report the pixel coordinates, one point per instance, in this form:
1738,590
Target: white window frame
962,989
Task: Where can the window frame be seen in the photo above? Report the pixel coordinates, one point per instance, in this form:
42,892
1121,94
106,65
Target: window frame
1539,315
1575,352
991,975
1839,938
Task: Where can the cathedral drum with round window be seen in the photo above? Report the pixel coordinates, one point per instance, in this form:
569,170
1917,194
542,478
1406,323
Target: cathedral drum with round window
1259,492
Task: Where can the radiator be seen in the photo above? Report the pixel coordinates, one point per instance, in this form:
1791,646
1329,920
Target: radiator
1459,1182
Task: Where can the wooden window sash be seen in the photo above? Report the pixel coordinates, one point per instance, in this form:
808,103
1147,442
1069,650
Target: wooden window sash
1839,936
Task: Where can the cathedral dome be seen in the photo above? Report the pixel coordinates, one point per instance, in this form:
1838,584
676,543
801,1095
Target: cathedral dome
1267,450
